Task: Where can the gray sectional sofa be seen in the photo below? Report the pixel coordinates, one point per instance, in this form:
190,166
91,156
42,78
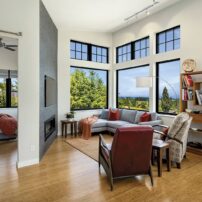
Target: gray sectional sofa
128,118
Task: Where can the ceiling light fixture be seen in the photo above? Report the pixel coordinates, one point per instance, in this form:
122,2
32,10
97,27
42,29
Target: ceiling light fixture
146,9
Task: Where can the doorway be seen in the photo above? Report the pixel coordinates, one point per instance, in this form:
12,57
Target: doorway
8,100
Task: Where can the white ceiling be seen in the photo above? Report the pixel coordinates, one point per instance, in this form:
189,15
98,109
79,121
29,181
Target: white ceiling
98,15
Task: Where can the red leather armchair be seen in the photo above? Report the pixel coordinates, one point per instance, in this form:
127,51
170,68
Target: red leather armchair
128,155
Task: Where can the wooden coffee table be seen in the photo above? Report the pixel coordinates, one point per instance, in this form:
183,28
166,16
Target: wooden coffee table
160,146
73,127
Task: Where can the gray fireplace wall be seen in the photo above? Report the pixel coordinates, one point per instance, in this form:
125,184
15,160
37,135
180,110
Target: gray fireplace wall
48,66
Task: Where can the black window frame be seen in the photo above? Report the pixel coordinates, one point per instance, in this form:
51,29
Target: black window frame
117,84
157,84
77,51
167,41
140,49
127,52
89,51
107,87
132,49
8,92
102,48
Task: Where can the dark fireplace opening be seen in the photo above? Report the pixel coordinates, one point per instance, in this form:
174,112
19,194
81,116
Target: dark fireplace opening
49,127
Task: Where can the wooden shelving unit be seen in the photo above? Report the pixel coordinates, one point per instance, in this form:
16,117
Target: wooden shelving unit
191,102
197,85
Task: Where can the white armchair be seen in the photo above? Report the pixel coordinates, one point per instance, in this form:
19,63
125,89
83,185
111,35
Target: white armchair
177,136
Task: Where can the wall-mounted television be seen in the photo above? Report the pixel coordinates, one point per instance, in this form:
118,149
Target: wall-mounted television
50,88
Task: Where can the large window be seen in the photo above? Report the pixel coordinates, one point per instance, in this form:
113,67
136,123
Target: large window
128,95
168,87
88,52
8,89
141,48
124,53
168,40
89,88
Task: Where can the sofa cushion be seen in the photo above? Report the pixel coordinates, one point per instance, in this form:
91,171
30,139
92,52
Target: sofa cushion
128,115
114,114
104,114
100,123
154,116
118,124
138,115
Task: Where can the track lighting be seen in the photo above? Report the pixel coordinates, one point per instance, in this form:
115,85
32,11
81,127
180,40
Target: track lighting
146,9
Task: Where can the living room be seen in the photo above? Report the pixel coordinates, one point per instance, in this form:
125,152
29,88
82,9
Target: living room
50,35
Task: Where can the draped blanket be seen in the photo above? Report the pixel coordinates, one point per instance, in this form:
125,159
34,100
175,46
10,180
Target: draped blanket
8,124
85,126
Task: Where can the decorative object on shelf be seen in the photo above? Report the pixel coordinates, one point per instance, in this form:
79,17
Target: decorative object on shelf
70,115
189,65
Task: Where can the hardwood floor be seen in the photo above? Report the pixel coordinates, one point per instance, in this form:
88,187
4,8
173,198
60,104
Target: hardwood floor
65,174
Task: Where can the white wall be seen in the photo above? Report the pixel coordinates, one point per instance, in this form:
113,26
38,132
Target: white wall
64,63
186,14
23,16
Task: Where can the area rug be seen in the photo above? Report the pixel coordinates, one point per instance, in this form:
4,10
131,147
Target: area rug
88,147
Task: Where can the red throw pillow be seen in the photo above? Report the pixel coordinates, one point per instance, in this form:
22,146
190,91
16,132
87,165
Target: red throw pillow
145,117
165,131
114,114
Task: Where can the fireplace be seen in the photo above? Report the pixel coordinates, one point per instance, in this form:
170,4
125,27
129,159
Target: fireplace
49,127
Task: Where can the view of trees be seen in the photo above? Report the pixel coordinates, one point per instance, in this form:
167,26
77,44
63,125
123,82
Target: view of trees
88,90
137,103
2,93
168,104
14,93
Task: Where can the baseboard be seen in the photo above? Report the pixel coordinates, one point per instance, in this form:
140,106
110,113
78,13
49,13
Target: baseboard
21,164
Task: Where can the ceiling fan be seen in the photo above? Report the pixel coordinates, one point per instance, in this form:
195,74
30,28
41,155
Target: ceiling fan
6,46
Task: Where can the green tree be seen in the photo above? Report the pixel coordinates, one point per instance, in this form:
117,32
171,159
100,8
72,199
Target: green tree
87,91
166,101
2,93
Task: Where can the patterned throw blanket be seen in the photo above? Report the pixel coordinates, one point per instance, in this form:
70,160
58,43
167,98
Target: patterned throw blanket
85,126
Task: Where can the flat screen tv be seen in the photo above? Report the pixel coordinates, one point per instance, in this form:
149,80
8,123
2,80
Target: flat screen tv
50,91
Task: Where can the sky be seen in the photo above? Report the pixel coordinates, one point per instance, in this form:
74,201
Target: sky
169,72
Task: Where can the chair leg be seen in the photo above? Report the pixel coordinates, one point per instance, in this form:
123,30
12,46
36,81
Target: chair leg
99,165
178,165
151,175
111,183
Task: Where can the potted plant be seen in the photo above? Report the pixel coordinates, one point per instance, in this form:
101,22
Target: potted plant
70,115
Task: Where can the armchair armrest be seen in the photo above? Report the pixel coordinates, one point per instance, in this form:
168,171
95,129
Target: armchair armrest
160,125
162,134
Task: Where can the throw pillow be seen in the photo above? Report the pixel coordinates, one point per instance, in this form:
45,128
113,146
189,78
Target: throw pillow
145,117
114,114
165,130
104,114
